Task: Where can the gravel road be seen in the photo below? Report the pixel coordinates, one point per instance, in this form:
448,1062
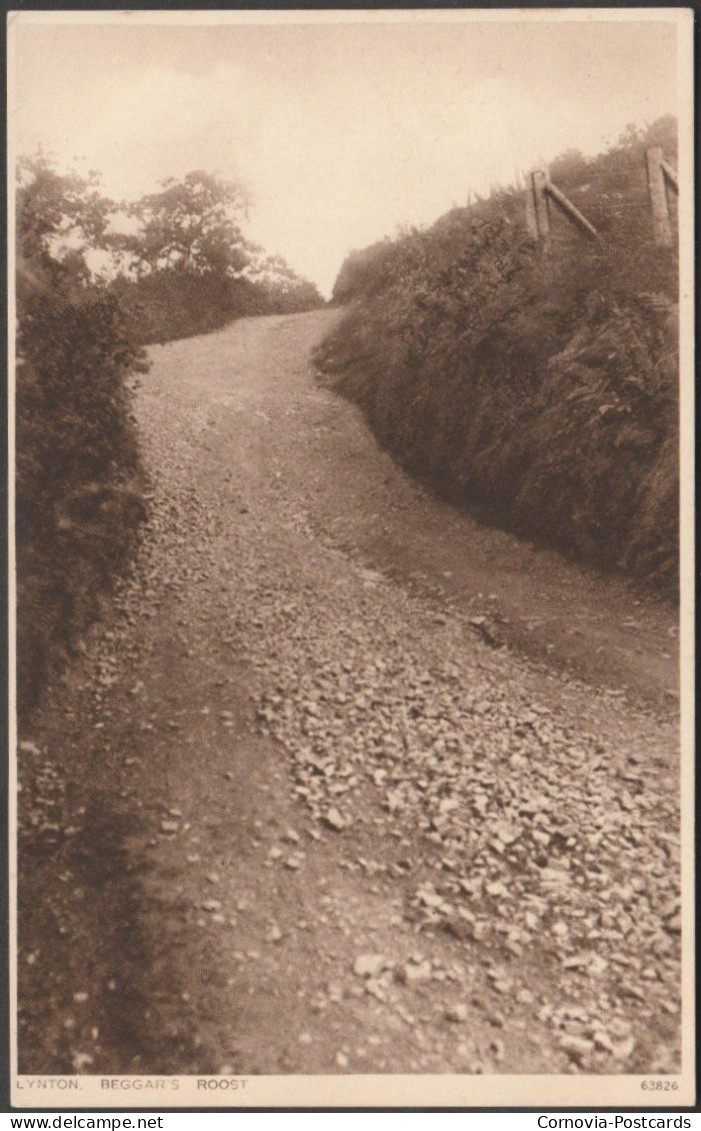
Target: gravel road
344,782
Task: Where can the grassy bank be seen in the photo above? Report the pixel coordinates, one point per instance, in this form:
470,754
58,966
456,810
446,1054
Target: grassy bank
541,392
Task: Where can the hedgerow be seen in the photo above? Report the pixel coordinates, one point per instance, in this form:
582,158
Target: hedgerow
166,305
78,481
539,391
78,495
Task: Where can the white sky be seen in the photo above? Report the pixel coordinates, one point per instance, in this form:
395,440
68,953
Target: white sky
341,131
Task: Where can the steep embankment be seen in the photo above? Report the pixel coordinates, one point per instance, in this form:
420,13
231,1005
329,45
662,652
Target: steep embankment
540,391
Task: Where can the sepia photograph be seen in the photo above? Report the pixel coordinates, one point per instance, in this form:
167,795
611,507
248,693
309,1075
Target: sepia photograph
351,528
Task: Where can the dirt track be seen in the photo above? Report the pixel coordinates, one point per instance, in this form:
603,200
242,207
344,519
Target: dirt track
345,782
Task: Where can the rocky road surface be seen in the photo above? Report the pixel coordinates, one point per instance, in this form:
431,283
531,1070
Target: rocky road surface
344,782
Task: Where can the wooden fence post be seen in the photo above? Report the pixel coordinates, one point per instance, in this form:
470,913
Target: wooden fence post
539,180
531,222
658,197
538,198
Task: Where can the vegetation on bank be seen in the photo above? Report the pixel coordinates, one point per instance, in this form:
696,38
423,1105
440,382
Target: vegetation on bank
540,391
184,268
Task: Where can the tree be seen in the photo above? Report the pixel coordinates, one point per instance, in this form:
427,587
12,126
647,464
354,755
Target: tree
283,291
190,225
60,216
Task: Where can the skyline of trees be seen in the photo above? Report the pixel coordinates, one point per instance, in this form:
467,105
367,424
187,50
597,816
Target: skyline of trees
193,224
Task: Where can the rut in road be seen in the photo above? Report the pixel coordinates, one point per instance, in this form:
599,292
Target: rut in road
360,822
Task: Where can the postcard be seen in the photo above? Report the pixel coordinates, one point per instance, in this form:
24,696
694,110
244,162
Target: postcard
351,523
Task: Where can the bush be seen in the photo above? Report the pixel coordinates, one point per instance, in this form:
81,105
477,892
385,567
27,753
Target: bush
541,392
167,305
170,304
78,497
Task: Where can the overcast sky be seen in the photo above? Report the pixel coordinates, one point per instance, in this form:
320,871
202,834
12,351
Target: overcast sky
341,132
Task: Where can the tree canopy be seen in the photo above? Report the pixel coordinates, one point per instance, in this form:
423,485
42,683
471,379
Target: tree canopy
191,225
60,216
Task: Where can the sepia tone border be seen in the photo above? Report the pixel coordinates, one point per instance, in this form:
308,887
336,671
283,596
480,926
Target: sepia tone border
395,1090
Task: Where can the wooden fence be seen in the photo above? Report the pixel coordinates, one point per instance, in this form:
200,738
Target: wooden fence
541,193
